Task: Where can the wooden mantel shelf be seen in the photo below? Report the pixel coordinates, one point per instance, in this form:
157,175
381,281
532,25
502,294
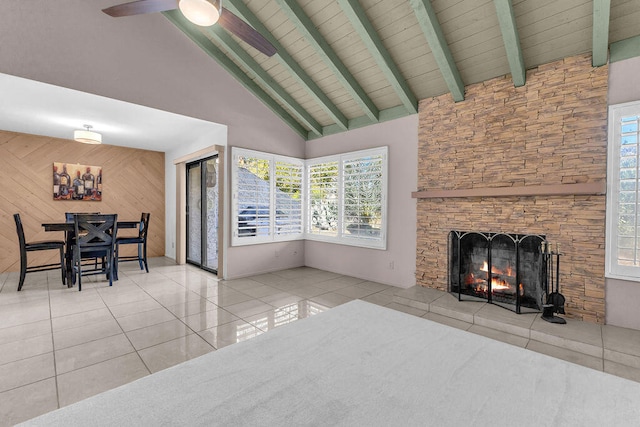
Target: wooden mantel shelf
590,188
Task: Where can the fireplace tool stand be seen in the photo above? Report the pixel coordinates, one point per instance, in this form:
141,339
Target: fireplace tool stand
555,300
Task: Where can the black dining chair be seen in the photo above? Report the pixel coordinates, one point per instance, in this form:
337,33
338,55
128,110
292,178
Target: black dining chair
140,240
44,245
95,238
68,217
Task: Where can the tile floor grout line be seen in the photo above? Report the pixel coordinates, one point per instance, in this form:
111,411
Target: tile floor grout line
176,318
124,333
53,348
602,342
185,281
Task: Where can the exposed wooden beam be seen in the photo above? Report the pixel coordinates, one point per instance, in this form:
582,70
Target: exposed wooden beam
433,33
509,29
236,51
625,49
240,9
314,38
213,51
601,12
362,121
372,41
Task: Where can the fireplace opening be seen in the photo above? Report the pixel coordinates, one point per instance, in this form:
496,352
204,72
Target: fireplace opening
504,269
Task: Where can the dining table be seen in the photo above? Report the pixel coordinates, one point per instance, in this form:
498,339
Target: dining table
69,231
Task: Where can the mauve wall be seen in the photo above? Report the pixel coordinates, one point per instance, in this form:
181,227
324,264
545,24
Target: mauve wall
144,60
396,265
623,297
249,260
147,61
624,81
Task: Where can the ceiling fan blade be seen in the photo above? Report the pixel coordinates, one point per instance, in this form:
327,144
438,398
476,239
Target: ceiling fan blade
141,6
245,32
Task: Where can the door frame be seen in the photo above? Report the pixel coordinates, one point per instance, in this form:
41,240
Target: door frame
181,205
204,247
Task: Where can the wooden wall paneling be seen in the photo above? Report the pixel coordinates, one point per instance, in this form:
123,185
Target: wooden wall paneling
133,182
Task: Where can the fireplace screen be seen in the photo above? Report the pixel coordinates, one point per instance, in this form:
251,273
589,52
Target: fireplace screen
503,269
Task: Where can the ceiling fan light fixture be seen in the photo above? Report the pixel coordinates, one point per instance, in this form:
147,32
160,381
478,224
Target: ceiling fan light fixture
87,136
201,12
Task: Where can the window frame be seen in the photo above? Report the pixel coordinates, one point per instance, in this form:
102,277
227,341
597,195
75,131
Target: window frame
272,236
612,268
308,234
340,237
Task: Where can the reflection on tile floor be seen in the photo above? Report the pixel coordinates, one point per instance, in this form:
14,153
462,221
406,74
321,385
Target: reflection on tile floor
58,345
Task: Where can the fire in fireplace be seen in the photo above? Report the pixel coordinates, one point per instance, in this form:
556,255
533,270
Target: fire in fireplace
500,268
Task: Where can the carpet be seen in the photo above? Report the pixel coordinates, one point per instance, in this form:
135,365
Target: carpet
362,364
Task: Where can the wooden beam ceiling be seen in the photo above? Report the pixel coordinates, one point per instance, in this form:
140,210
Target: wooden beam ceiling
625,49
370,37
509,30
313,36
288,62
601,14
433,33
213,51
239,54
345,64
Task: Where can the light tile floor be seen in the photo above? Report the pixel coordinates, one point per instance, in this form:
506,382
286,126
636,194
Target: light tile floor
58,345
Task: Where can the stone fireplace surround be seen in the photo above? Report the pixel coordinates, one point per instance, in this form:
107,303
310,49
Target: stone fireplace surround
527,160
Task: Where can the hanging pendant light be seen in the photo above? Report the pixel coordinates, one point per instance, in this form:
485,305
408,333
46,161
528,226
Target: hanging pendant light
87,136
201,12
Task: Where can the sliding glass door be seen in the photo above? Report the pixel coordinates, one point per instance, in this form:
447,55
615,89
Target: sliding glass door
202,213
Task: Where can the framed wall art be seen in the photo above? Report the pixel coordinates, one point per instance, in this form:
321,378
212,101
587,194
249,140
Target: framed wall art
77,182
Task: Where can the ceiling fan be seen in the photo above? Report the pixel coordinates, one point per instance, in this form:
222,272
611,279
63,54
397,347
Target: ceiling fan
201,12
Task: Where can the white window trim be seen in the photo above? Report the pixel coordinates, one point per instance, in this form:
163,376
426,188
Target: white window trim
307,213
346,238
612,269
340,238
272,237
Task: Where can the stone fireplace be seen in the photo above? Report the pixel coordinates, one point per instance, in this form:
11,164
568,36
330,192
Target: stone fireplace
529,160
503,269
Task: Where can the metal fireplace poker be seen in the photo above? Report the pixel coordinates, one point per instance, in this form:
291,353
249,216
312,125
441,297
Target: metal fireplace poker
555,300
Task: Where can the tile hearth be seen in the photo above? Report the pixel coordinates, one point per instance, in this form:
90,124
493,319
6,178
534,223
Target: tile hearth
59,346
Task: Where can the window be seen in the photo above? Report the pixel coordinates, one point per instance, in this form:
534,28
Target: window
267,197
322,206
623,201
346,202
363,197
288,177
345,198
